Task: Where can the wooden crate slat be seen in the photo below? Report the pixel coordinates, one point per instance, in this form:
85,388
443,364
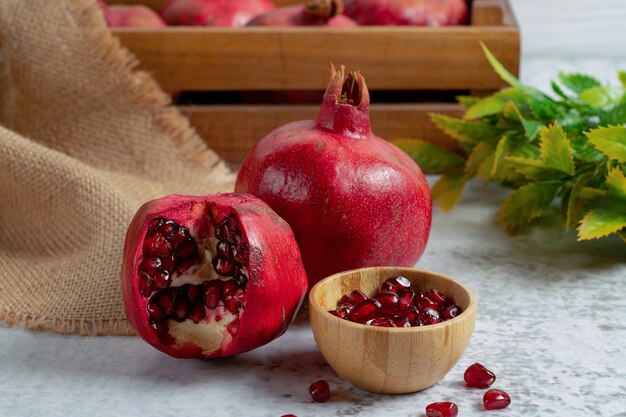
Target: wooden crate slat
232,130
296,58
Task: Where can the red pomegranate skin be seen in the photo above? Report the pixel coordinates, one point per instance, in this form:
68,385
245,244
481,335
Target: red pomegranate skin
276,284
136,16
352,198
221,13
314,13
407,12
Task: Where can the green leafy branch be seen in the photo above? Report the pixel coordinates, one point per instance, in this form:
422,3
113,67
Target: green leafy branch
569,149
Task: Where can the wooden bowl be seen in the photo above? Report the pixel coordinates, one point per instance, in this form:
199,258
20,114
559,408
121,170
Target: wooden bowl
390,360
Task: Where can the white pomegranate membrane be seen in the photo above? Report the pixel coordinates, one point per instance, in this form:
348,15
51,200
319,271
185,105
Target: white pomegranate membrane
397,305
191,284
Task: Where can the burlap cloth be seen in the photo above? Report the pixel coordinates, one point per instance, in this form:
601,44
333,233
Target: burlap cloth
85,140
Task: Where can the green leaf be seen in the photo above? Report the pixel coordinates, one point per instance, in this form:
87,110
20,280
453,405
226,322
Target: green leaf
430,158
557,89
467,101
481,155
534,169
602,222
527,203
621,75
610,140
571,213
494,103
602,97
614,116
502,150
556,150
531,127
449,188
464,131
578,82
499,68
616,183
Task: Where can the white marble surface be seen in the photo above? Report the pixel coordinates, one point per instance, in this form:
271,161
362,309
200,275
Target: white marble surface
551,325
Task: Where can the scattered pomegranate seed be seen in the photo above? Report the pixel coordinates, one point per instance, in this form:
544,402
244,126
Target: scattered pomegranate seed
476,375
395,305
442,409
288,415
496,399
320,391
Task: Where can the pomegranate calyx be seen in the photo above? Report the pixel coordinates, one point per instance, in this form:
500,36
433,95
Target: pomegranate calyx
324,8
345,109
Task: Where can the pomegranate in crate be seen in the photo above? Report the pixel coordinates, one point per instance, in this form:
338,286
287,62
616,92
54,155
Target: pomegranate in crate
225,13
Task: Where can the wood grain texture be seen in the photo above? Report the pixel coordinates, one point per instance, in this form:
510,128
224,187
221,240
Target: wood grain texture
390,360
296,58
233,130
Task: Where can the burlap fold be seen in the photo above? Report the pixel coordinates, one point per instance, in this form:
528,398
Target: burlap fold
85,140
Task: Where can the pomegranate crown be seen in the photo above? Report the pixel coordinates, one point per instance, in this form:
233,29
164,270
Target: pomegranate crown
324,8
346,104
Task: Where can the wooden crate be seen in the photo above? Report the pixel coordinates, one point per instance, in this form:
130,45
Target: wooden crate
445,59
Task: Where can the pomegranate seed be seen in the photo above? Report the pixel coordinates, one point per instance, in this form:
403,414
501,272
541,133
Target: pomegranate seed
436,297
241,278
188,249
476,375
381,321
288,415
429,316
343,312
388,287
166,301
150,264
345,300
365,310
233,326
357,297
238,252
427,303
222,232
224,266
159,328
233,305
192,292
158,245
180,237
320,391
222,250
442,409
230,288
161,280
168,229
155,223
168,262
334,313
156,312
495,399
145,284
402,322
389,301
410,313
212,293
451,311
185,264
399,282
406,298
197,313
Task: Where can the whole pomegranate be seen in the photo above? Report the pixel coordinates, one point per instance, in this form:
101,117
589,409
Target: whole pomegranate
137,16
352,199
313,13
227,13
211,276
407,12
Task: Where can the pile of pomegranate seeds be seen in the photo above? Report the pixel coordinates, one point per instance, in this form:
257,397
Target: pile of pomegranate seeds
320,391
442,409
396,305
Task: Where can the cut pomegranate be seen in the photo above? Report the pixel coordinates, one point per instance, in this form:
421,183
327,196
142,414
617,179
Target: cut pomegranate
442,409
320,391
396,305
476,375
496,399
212,276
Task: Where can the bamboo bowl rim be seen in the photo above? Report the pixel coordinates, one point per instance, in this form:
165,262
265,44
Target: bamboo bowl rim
471,307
